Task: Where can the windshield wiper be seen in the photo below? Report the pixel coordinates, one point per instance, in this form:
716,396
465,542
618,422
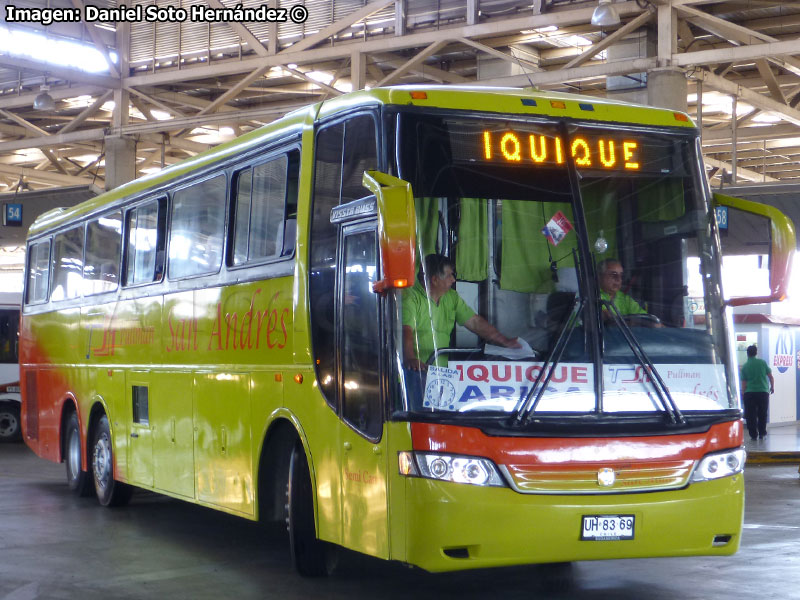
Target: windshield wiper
524,413
662,391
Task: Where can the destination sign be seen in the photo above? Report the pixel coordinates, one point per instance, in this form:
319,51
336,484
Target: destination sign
542,146
600,153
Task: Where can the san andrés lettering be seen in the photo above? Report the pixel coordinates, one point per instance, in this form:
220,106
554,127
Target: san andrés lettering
182,333
253,329
244,332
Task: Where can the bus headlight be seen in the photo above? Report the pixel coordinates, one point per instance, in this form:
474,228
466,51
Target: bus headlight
446,467
722,464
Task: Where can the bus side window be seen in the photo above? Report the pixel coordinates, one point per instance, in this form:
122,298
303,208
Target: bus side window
359,156
68,264
103,241
260,211
144,248
38,272
197,229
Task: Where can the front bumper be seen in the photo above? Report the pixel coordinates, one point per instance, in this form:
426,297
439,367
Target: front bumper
454,526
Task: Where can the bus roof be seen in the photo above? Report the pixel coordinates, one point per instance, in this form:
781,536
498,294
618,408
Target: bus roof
508,101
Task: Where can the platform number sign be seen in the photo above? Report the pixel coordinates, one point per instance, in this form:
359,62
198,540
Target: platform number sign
12,215
721,213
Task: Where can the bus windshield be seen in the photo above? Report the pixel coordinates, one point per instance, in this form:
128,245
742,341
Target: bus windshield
557,282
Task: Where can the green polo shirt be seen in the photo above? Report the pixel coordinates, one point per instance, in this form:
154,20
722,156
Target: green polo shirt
624,303
433,323
755,372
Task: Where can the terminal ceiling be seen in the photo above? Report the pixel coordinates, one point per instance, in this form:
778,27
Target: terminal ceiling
180,88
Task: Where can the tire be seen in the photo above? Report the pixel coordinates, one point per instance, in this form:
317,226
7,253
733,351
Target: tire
109,491
79,481
311,557
10,423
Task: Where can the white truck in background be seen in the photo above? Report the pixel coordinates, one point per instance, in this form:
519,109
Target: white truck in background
10,400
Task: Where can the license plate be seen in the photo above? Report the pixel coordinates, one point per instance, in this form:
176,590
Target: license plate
607,527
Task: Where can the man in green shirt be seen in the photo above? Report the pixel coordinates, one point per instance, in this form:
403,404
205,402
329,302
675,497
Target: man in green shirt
757,384
610,273
430,311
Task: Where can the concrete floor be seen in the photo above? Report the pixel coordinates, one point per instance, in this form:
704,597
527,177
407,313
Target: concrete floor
55,546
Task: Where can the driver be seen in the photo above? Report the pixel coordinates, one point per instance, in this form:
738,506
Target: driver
431,309
610,273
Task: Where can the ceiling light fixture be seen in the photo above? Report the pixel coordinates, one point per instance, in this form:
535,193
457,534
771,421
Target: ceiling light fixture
605,14
44,101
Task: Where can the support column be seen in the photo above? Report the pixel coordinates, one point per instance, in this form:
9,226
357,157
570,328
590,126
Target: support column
272,31
472,12
400,10
120,150
667,88
358,70
120,160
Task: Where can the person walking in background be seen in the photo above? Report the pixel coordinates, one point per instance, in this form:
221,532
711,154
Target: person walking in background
757,384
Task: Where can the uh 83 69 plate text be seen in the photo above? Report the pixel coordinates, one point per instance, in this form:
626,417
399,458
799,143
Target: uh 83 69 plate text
607,527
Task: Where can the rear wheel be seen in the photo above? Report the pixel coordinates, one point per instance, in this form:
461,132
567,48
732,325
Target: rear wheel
79,481
311,557
10,429
109,491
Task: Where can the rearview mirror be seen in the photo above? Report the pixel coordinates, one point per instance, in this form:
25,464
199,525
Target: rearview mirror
396,229
781,243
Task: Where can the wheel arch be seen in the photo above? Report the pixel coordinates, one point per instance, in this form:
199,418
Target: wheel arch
68,406
98,410
283,432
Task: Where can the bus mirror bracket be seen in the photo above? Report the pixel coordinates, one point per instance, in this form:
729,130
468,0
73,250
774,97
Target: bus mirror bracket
782,248
397,227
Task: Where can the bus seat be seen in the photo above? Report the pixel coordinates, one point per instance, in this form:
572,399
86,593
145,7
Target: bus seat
558,309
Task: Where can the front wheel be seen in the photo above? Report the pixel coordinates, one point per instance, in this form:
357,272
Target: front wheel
311,557
79,481
109,491
10,428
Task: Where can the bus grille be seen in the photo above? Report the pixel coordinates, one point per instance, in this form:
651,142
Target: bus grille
584,479
31,406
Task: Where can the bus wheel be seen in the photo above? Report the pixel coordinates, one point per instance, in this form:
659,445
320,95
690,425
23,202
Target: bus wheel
79,481
10,430
109,492
311,557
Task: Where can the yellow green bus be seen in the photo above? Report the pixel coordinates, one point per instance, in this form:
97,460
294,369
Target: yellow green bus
387,319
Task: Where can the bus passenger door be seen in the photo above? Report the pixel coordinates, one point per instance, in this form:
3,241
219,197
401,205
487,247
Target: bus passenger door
362,443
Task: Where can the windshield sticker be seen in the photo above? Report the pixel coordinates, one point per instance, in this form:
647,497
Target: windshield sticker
504,386
557,228
440,389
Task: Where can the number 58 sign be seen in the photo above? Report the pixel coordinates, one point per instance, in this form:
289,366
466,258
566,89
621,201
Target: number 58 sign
12,215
